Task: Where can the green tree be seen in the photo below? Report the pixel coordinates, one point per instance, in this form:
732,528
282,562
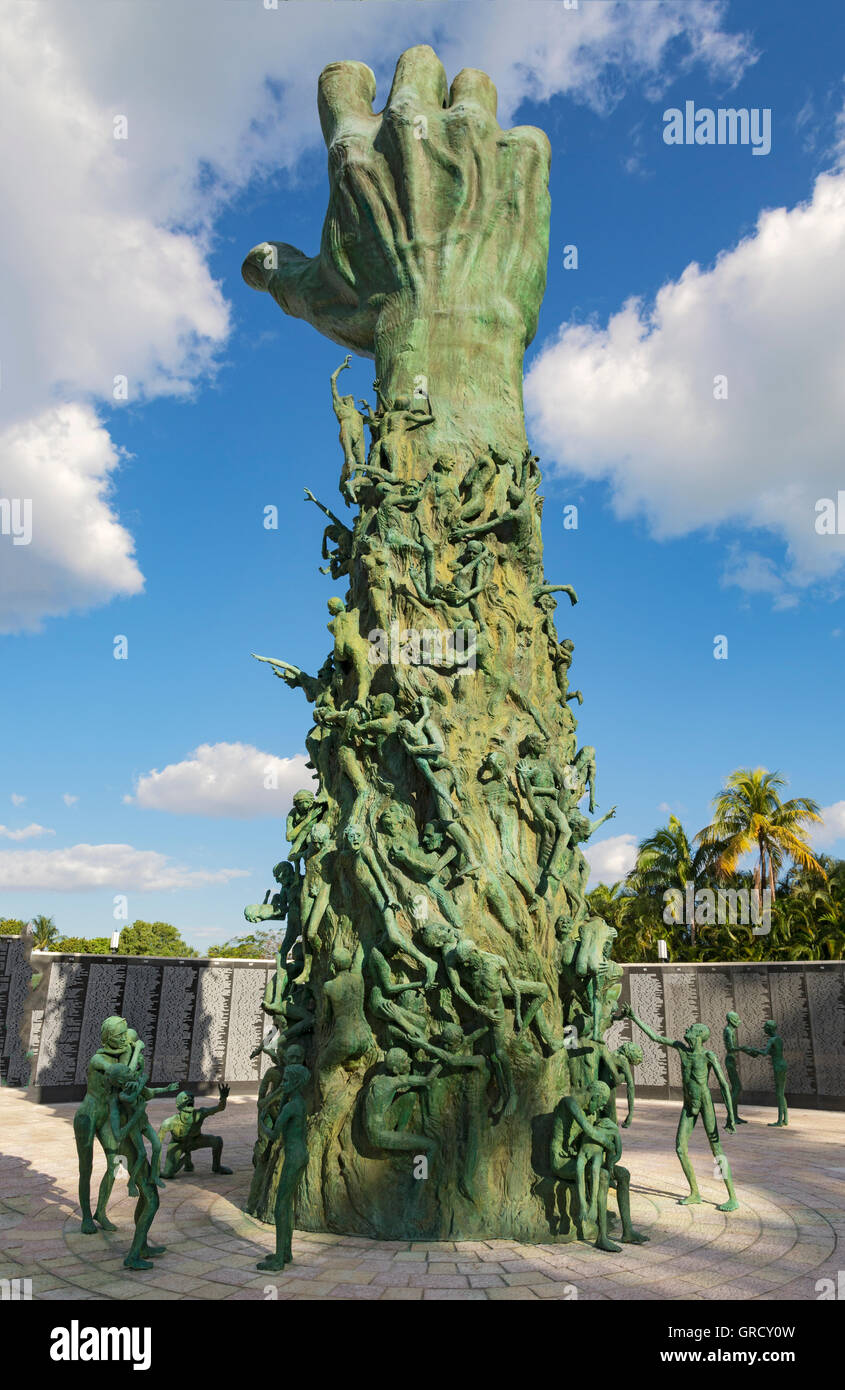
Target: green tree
82,945
811,911
260,945
666,861
11,926
45,932
749,816
153,939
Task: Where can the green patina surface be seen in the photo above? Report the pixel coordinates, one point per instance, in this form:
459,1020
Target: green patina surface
448,990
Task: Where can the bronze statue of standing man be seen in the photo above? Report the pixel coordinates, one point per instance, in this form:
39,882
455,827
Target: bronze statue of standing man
289,1126
732,1051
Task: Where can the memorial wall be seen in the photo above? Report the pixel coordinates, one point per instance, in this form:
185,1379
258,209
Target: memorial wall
200,1019
15,990
805,998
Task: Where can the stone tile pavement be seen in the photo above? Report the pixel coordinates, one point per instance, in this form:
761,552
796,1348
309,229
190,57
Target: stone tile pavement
788,1234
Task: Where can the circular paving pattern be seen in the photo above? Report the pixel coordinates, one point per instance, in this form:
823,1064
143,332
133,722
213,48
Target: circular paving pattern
779,1244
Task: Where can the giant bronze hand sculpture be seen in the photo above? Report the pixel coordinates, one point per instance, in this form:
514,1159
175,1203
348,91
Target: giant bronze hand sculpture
434,247
433,882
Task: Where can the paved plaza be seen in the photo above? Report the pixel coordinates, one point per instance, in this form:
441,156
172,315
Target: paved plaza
788,1234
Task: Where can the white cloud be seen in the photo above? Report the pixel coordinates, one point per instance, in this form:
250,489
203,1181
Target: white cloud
592,54
17,800
758,574
82,867
63,461
634,402
69,800
27,832
611,859
104,243
833,827
224,779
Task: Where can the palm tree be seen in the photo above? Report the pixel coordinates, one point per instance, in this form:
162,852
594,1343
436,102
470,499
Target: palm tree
813,908
604,901
799,882
666,860
750,816
44,932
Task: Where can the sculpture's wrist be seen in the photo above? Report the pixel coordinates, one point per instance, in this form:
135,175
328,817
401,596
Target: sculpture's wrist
466,360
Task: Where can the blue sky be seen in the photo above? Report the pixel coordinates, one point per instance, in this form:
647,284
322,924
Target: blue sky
696,517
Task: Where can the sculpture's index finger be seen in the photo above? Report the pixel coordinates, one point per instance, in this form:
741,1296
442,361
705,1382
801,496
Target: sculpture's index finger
475,88
419,77
344,91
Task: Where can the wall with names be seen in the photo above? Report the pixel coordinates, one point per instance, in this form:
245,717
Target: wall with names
201,1019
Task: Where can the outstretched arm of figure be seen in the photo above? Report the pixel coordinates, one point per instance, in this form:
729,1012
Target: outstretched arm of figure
280,668
482,528
650,1032
419,1041
594,825
413,1083
451,1059
213,1109
309,496
336,373
557,589
380,396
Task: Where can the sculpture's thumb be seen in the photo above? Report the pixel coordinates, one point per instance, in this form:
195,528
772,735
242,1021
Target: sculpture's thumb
282,271
304,287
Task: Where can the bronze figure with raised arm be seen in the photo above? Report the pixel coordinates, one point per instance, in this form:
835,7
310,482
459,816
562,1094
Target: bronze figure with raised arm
696,1064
